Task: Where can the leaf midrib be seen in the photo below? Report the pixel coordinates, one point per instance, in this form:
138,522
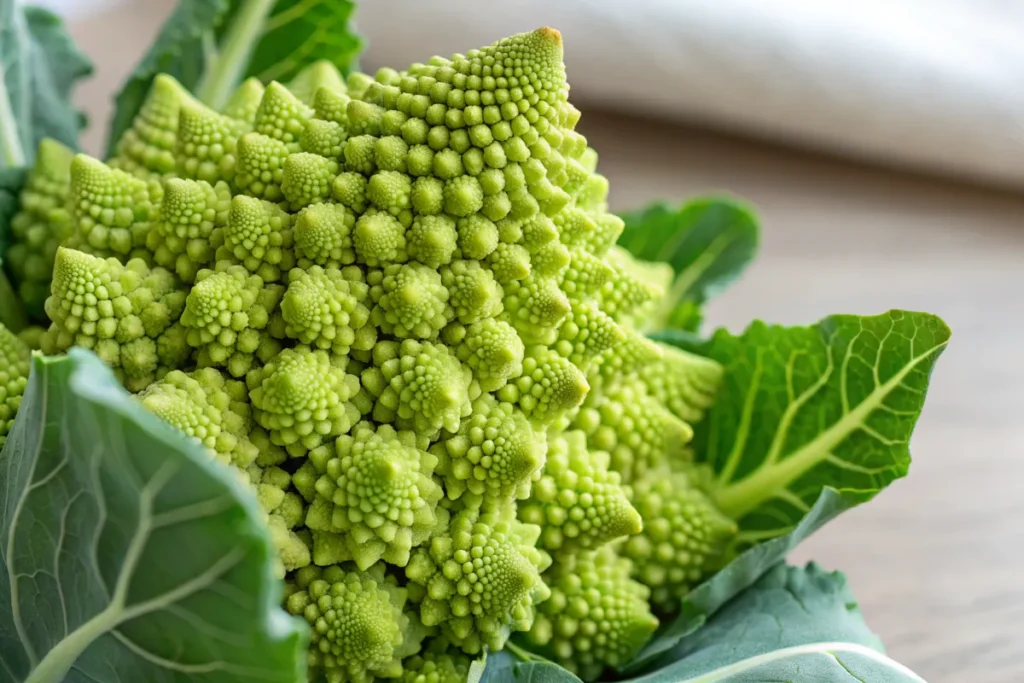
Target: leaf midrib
744,496
828,649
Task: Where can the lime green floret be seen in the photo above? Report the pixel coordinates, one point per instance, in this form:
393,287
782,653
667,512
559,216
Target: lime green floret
496,454
639,433
213,410
371,496
208,409
587,334
302,398
258,235
207,144
328,309
190,213
285,512
683,382
578,502
548,388
473,293
15,358
683,539
226,316
491,348
421,384
411,301
436,667
323,236
358,628
597,617
110,209
40,225
481,580
148,146
127,314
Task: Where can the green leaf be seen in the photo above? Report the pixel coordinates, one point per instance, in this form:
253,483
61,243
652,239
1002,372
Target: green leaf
503,667
708,241
39,67
802,408
794,624
301,32
126,553
734,578
210,46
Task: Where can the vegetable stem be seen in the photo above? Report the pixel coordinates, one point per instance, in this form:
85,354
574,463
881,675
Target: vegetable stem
58,661
226,70
11,152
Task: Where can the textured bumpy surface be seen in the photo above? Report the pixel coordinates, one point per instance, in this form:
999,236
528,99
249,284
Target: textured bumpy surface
395,304
14,367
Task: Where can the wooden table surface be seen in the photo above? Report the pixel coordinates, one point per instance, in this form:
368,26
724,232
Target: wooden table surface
935,559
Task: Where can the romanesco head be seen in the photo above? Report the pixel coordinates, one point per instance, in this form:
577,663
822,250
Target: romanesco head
443,351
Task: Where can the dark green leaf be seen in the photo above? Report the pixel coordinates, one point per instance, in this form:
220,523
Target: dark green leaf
793,624
708,241
127,553
213,44
39,67
802,408
301,32
736,577
503,667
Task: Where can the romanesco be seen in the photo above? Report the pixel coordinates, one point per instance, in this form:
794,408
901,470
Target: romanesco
394,304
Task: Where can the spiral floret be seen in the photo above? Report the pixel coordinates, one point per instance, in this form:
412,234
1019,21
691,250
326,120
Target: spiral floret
578,502
372,497
481,580
359,627
302,398
597,617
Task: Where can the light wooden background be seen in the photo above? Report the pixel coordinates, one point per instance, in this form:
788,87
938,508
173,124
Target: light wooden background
936,560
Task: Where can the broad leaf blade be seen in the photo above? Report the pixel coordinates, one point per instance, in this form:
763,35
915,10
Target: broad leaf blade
833,404
734,578
709,242
503,667
301,32
39,67
127,553
794,619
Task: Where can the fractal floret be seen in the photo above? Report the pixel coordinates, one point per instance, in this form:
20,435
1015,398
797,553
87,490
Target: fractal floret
395,304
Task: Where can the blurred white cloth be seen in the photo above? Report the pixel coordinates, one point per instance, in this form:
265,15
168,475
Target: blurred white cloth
934,84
